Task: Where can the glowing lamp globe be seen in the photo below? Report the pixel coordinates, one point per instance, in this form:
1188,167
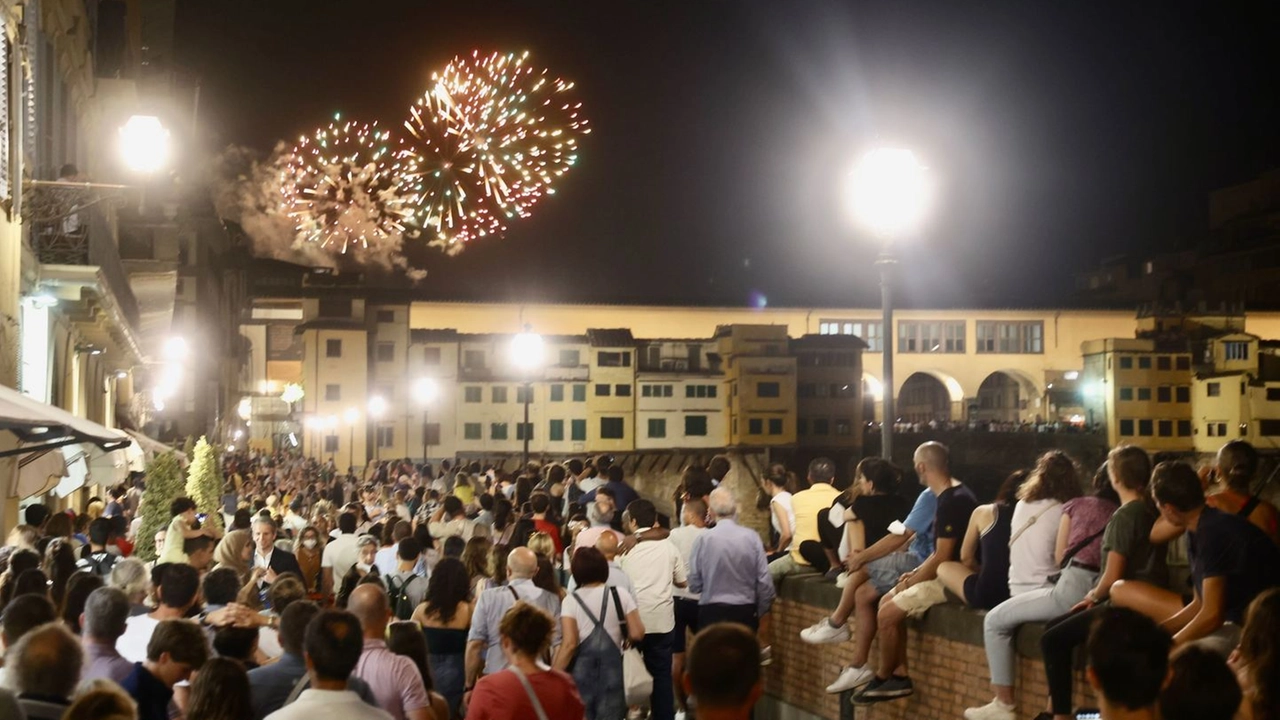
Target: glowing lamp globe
889,191
526,350
144,144
377,406
425,390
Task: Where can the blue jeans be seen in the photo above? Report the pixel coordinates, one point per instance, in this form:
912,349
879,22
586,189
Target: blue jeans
656,649
1043,604
448,672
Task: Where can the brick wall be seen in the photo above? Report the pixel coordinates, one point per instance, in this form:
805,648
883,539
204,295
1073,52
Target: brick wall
945,657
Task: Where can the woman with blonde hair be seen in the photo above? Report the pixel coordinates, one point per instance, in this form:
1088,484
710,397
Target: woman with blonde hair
475,558
131,577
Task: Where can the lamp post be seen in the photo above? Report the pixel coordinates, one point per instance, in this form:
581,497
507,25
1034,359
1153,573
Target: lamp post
526,355
351,415
331,423
425,391
377,408
888,197
144,144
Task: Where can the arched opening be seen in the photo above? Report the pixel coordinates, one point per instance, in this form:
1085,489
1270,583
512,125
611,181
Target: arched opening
1000,399
922,398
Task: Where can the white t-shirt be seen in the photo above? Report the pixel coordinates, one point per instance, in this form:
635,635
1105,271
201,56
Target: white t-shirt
295,523
654,566
591,598
1031,560
340,554
783,500
683,537
132,645
386,559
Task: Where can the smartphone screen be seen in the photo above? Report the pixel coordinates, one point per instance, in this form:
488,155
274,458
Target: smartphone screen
1088,715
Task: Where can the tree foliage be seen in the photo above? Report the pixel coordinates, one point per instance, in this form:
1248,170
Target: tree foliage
204,481
164,483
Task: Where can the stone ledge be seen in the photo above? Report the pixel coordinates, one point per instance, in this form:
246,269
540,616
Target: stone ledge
951,621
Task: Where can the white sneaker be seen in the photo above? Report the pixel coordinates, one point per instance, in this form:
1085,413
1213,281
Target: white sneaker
994,710
842,579
822,633
766,655
851,678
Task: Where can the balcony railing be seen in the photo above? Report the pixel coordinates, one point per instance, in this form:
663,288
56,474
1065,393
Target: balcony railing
74,224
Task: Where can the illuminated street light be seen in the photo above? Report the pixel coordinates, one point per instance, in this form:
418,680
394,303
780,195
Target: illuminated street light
245,408
351,415
425,391
527,354
292,393
377,408
144,144
888,196
175,348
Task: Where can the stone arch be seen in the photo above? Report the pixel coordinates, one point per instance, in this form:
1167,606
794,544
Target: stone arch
928,395
1006,396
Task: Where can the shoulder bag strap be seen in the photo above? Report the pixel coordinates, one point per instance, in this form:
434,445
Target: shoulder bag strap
1250,506
303,683
594,620
533,698
514,594
1027,525
1075,549
622,619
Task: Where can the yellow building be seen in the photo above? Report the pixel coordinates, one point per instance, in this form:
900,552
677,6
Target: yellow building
760,373
1237,396
1140,391
611,403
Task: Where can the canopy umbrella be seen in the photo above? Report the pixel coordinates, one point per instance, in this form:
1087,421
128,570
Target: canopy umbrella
39,426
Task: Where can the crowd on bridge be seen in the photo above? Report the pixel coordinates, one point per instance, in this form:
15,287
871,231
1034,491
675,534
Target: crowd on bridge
413,592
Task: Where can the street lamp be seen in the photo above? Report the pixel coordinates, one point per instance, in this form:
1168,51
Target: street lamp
527,356
144,143
331,424
425,391
888,197
351,415
377,408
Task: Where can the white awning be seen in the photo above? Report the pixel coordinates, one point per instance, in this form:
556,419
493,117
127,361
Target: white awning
145,448
39,426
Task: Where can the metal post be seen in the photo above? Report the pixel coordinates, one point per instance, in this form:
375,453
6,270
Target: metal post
885,262
424,434
528,390
351,448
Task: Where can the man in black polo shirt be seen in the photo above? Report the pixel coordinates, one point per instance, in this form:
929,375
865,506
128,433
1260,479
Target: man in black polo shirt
1232,561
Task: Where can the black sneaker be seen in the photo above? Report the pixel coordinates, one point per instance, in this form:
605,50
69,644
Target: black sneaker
879,690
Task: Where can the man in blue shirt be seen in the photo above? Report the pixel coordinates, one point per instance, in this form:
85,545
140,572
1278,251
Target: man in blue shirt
727,566
623,494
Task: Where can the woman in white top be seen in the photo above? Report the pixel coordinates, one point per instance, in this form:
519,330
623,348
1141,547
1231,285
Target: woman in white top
1034,556
782,516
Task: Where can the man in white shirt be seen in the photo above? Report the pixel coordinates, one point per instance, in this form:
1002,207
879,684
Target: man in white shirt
179,590
655,569
332,648
340,554
693,523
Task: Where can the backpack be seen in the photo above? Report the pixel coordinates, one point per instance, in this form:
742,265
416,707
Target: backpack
597,662
398,594
99,563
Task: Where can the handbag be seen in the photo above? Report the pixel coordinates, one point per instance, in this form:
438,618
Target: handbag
1072,552
637,683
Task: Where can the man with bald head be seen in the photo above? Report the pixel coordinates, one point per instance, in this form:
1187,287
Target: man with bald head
608,546
394,679
484,645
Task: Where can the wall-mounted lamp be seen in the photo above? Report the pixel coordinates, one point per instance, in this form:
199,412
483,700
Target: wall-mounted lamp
89,349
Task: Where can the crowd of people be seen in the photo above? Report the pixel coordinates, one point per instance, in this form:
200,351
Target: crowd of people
421,593
400,591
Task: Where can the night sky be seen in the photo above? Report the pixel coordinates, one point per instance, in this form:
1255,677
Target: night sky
1059,133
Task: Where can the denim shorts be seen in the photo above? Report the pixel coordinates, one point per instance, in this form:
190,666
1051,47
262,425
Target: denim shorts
885,572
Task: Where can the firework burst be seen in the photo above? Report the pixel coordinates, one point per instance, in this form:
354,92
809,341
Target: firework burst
340,188
485,143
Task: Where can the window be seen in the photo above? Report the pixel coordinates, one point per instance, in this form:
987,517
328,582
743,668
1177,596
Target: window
333,393
1126,393
1269,428
1164,394
386,352
768,389
386,316
557,393
613,359
1273,393
870,331
805,390
844,426
699,391
656,390
570,358
931,337
622,390
521,392
1235,350
602,389
524,430
431,356
433,433
1009,337
1183,393
497,431
1144,363
333,348
755,426
1164,363
579,393
499,393
471,431
555,431
775,426
821,427
657,428
1126,428
695,425
1184,428
1144,428
330,444
611,428
473,359
1183,362
1126,362
386,435
1165,428
578,430
1144,394
471,394
802,426
1213,389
